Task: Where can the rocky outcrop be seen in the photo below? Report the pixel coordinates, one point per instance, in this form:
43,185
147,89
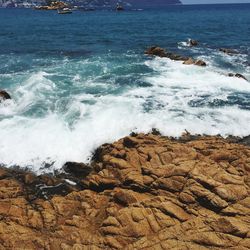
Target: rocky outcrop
200,63
4,95
54,5
191,61
158,51
193,42
142,192
237,75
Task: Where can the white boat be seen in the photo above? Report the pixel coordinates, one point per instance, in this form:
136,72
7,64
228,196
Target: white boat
64,11
119,7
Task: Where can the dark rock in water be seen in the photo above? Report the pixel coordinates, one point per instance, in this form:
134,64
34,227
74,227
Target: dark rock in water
4,95
193,42
176,57
200,63
228,51
237,75
77,169
158,51
240,76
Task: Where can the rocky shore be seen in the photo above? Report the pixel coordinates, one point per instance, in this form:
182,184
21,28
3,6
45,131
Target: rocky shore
145,191
163,53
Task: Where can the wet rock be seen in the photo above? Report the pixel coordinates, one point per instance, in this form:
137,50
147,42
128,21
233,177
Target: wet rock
77,169
190,61
245,140
192,42
4,95
142,191
200,63
228,51
156,51
237,75
176,57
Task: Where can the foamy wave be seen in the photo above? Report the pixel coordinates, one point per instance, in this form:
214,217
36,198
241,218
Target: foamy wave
77,119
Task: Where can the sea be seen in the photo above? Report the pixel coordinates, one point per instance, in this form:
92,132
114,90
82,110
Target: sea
80,80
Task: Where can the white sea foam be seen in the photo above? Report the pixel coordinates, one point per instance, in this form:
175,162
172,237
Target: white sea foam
76,124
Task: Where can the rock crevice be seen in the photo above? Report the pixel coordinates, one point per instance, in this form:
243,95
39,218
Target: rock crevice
141,192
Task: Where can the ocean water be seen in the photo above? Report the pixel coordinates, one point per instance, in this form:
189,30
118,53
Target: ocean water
81,80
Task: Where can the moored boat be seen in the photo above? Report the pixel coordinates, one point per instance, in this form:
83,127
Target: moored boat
64,11
119,7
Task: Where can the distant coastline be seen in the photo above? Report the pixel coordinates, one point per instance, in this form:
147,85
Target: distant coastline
93,4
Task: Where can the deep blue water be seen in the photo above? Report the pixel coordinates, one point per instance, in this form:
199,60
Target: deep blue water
81,80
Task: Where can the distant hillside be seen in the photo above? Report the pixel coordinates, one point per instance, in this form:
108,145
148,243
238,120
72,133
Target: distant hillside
125,3
128,4
148,3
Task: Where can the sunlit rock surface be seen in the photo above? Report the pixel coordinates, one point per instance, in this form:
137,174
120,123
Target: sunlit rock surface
143,192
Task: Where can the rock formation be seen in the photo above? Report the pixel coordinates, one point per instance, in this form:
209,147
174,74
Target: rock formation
158,51
54,5
141,192
4,95
191,61
193,42
237,75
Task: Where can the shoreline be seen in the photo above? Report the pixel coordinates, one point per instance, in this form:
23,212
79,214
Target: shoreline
136,190
184,138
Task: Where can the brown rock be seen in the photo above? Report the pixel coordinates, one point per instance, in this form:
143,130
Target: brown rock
200,63
190,61
156,51
143,191
29,178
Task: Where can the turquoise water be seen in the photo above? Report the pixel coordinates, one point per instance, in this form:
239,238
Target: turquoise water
80,80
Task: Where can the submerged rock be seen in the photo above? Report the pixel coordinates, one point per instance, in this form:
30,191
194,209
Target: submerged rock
228,51
4,95
142,191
